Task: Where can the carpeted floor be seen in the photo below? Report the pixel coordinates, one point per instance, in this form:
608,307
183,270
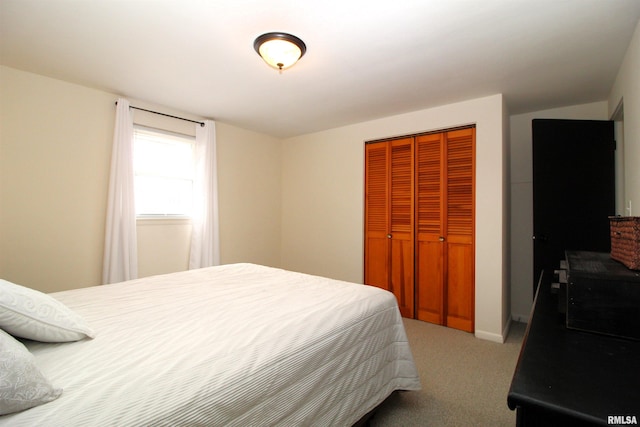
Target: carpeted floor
465,380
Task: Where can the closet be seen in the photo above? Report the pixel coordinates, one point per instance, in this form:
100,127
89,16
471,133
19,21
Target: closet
419,224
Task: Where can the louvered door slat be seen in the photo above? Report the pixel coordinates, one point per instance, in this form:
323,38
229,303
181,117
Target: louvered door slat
460,182
429,192
401,186
460,289
429,220
401,176
376,245
376,188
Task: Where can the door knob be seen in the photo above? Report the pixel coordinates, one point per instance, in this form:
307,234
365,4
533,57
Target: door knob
388,236
441,239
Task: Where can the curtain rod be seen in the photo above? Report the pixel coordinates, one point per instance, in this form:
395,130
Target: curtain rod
166,115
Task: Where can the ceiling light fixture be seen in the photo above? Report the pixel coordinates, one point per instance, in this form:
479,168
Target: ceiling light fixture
279,50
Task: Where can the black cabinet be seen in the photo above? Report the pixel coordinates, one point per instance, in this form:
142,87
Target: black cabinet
567,377
603,296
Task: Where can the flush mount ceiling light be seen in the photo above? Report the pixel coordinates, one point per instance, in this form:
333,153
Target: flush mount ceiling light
279,50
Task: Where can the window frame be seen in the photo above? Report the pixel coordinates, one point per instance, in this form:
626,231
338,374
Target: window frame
180,137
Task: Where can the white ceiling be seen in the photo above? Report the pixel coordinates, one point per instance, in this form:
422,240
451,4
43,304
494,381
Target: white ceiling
365,59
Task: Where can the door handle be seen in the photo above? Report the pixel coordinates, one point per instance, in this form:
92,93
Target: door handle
441,239
389,236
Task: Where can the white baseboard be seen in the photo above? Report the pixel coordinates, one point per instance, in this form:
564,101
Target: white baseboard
490,336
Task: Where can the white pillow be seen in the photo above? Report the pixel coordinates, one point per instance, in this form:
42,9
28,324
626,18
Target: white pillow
31,314
22,385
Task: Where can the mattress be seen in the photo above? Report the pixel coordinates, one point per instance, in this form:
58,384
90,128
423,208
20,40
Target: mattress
232,345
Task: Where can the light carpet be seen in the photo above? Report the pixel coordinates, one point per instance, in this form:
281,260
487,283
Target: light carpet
465,380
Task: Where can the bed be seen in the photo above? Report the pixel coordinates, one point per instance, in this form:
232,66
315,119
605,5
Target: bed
232,345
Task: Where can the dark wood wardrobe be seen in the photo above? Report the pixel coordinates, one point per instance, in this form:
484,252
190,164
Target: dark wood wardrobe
419,224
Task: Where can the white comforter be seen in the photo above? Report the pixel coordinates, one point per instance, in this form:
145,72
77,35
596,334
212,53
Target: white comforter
235,345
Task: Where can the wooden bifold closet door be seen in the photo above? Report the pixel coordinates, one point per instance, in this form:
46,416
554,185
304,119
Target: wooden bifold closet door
389,220
419,224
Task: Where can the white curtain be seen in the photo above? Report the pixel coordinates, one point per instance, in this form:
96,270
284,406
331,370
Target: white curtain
120,247
205,241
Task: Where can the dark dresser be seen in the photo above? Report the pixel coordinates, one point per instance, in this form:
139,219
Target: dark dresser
577,377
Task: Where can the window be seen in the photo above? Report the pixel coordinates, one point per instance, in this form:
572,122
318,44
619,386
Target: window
163,165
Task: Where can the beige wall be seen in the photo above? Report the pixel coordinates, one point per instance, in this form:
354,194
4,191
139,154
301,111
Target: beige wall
55,145
506,222
55,150
163,245
323,196
249,183
626,92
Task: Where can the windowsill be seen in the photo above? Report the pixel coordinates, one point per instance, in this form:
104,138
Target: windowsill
163,220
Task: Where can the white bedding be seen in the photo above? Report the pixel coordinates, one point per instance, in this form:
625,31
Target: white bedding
234,345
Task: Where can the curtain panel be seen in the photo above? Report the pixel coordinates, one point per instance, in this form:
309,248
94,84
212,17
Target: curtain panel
205,241
120,248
